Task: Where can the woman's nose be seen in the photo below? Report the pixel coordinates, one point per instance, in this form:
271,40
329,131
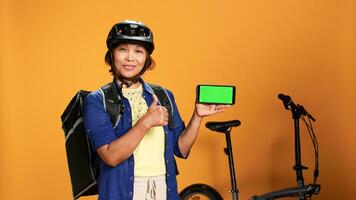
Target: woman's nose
129,56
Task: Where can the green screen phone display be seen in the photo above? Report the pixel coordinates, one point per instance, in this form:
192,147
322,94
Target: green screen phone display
216,94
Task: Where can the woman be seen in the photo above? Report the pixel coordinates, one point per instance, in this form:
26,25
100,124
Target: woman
137,153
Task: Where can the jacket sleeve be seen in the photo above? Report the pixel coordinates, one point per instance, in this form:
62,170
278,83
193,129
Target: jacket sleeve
179,125
97,121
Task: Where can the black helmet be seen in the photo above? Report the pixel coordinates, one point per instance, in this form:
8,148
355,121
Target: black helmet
130,31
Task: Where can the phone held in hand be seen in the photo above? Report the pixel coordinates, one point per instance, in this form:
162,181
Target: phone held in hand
215,94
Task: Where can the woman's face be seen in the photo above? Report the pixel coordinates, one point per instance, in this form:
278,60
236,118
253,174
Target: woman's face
129,59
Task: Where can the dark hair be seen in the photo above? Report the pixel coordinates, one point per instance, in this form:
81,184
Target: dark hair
149,63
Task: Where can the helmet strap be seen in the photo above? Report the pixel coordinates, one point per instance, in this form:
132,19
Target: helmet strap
129,81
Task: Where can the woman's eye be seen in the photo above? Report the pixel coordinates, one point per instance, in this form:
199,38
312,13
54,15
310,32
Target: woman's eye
139,51
122,49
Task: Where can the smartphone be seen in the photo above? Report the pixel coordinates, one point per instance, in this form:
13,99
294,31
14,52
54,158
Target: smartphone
216,94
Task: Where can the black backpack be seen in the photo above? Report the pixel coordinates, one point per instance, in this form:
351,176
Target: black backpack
82,158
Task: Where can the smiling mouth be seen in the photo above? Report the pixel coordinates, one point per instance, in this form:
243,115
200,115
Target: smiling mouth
129,67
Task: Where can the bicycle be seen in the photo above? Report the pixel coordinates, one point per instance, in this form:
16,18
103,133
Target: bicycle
203,191
302,191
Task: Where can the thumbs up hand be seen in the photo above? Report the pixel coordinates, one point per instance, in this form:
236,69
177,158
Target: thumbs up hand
156,115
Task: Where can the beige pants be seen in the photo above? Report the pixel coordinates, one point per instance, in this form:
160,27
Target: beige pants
150,188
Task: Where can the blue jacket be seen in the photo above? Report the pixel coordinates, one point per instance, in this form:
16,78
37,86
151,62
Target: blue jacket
116,183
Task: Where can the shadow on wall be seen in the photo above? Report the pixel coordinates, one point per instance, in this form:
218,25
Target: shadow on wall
282,157
211,147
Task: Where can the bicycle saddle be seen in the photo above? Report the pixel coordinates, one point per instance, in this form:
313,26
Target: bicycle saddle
222,126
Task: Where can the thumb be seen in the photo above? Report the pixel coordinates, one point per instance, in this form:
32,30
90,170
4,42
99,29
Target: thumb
154,102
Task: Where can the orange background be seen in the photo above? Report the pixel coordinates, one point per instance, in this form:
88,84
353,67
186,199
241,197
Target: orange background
304,48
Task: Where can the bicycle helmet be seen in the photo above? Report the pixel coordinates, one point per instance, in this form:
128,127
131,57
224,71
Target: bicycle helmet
130,31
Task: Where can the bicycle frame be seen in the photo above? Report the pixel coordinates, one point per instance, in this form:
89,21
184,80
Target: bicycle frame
301,190
226,127
234,189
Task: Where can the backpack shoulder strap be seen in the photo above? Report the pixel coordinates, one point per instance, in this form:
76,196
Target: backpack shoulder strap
165,100
112,102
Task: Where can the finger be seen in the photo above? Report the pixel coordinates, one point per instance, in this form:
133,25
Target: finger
220,110
154,101
161,119
223,106
163,109
165,118
213,107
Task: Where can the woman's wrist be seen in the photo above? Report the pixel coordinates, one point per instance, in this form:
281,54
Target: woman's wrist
143,125
197,116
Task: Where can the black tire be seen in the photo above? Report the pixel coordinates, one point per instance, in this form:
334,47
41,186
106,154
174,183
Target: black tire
199,191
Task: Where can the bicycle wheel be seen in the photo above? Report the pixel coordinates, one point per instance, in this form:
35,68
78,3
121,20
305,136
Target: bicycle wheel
199,192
